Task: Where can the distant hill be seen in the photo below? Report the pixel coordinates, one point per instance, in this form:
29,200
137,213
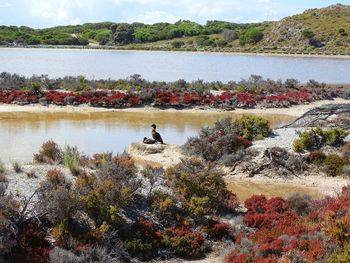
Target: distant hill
329,27
324,30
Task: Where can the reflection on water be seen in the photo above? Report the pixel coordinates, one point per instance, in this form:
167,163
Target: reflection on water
21,133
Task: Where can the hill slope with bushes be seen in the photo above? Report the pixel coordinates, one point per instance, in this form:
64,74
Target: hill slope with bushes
324,30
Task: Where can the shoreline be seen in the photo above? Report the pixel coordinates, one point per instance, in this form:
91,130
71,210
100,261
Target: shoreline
232,53
295,111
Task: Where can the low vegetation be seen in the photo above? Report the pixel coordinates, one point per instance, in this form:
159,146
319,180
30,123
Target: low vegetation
316,138
136,91
315,31
227,138
111,211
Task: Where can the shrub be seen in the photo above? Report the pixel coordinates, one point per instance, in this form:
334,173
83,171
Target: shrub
341,256
32,246
90,254
317,157
307,33
9,214
144,239
55,176
253,127
31,174
224,138
346,150
335,164
114,187
162,205
300,203
49,152
229,201
2,172
251,36
218,230
17,167
316,138
183,241
71,158
177,44
198,185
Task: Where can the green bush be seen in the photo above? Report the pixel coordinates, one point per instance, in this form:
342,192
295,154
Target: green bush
335,164
198,185
251,36
316,138
253,127
307,33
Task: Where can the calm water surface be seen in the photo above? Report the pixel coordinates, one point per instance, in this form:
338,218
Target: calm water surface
21,134
169,66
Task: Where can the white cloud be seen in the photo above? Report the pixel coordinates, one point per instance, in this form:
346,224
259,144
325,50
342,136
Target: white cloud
57,12
154,17
43,13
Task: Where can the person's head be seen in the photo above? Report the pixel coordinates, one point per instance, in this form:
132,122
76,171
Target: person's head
153,126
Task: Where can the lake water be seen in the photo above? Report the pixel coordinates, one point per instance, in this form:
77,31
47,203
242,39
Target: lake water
22,133
169,66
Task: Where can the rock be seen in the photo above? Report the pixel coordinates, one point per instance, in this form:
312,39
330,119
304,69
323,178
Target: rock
69,100
316,43
43,102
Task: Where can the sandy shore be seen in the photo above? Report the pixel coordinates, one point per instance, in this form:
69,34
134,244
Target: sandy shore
295,111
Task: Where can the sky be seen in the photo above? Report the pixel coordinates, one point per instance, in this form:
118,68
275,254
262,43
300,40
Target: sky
47,13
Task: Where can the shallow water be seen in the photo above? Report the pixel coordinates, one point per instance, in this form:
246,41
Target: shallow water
170,66
22,133
244,190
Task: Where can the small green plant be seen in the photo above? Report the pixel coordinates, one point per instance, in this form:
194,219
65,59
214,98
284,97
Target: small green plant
2,172
71,158
17,167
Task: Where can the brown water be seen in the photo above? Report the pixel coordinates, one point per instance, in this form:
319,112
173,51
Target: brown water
245,190
22,133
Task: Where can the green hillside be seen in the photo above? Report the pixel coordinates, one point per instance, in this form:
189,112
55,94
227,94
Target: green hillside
328,27
324,30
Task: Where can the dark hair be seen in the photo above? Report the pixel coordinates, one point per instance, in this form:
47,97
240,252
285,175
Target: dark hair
154,126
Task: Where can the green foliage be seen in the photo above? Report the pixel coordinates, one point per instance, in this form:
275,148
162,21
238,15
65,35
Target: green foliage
2,172
253,127
251,36
341,256
316,138
71,157
335,164
198,185
16,167
342,31
307,33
